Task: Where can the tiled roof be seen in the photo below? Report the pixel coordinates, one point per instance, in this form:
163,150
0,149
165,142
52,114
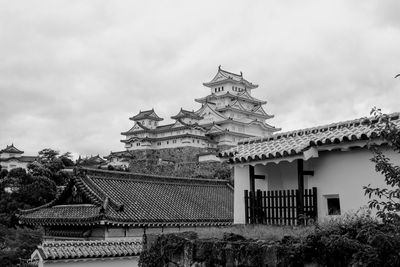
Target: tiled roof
242,96
67,214
162,128
147,114
241,109
120,154
295,142
92,160
187,114
64,250
27,159
138,200
11,149
223,75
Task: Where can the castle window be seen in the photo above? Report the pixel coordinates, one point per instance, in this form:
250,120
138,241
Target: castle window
158,143
167,142
137,144
222,88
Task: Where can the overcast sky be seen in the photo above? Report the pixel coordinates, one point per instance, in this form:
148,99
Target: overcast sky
73,72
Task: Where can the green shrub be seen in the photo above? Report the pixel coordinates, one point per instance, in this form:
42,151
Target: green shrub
349,240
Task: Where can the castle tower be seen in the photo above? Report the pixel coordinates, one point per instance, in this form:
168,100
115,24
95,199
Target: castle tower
227,115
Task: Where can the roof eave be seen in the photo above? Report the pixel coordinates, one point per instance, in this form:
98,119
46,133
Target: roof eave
137,118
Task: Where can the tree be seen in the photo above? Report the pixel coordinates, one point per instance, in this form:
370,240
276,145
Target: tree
386,200
17,173
49,165
66,159
22,190
47,155
38,169
16,243
3,173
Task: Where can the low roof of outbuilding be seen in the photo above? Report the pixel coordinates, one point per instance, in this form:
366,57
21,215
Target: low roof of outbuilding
83,250
138,200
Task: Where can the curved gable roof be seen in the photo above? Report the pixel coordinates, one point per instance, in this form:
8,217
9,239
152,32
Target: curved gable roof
11,149
223,76
137,200
147,114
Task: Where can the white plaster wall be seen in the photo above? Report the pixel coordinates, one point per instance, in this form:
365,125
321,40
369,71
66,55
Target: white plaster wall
337,172
129,262
242,182
345,174
12,164
181,142
261,184
5,155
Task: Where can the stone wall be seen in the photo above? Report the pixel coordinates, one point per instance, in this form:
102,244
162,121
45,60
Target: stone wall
178,154
186,249
180,162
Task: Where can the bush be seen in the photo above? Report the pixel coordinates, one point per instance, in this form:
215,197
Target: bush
350,240
17,243
3,173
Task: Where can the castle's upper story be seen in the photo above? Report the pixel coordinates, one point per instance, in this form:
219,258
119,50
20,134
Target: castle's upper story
11,157
227,115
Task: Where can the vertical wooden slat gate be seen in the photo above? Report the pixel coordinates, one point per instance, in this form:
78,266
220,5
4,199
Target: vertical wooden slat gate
280,207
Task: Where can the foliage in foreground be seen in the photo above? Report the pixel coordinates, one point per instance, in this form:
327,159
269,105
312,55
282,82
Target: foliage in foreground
351,240
16,243
386,200
24,190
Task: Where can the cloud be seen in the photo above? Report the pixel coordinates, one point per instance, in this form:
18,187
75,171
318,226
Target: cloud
73,72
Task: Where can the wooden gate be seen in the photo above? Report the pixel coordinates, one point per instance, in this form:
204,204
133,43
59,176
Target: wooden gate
280,207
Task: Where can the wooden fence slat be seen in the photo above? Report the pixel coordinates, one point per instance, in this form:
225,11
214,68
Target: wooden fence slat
272,207
289,205
246,206
259,213
251,207
315,203
280,207
269,207
284,207
264,207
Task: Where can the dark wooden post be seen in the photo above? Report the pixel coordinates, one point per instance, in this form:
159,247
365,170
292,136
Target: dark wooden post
251,175
246,206
255,198
300,199
315,203
300,179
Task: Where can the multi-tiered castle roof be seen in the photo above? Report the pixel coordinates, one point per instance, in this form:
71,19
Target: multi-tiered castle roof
228,114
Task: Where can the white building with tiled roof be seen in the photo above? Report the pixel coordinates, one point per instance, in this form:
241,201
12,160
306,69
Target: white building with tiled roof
311,173
228,115
11,157
100,216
